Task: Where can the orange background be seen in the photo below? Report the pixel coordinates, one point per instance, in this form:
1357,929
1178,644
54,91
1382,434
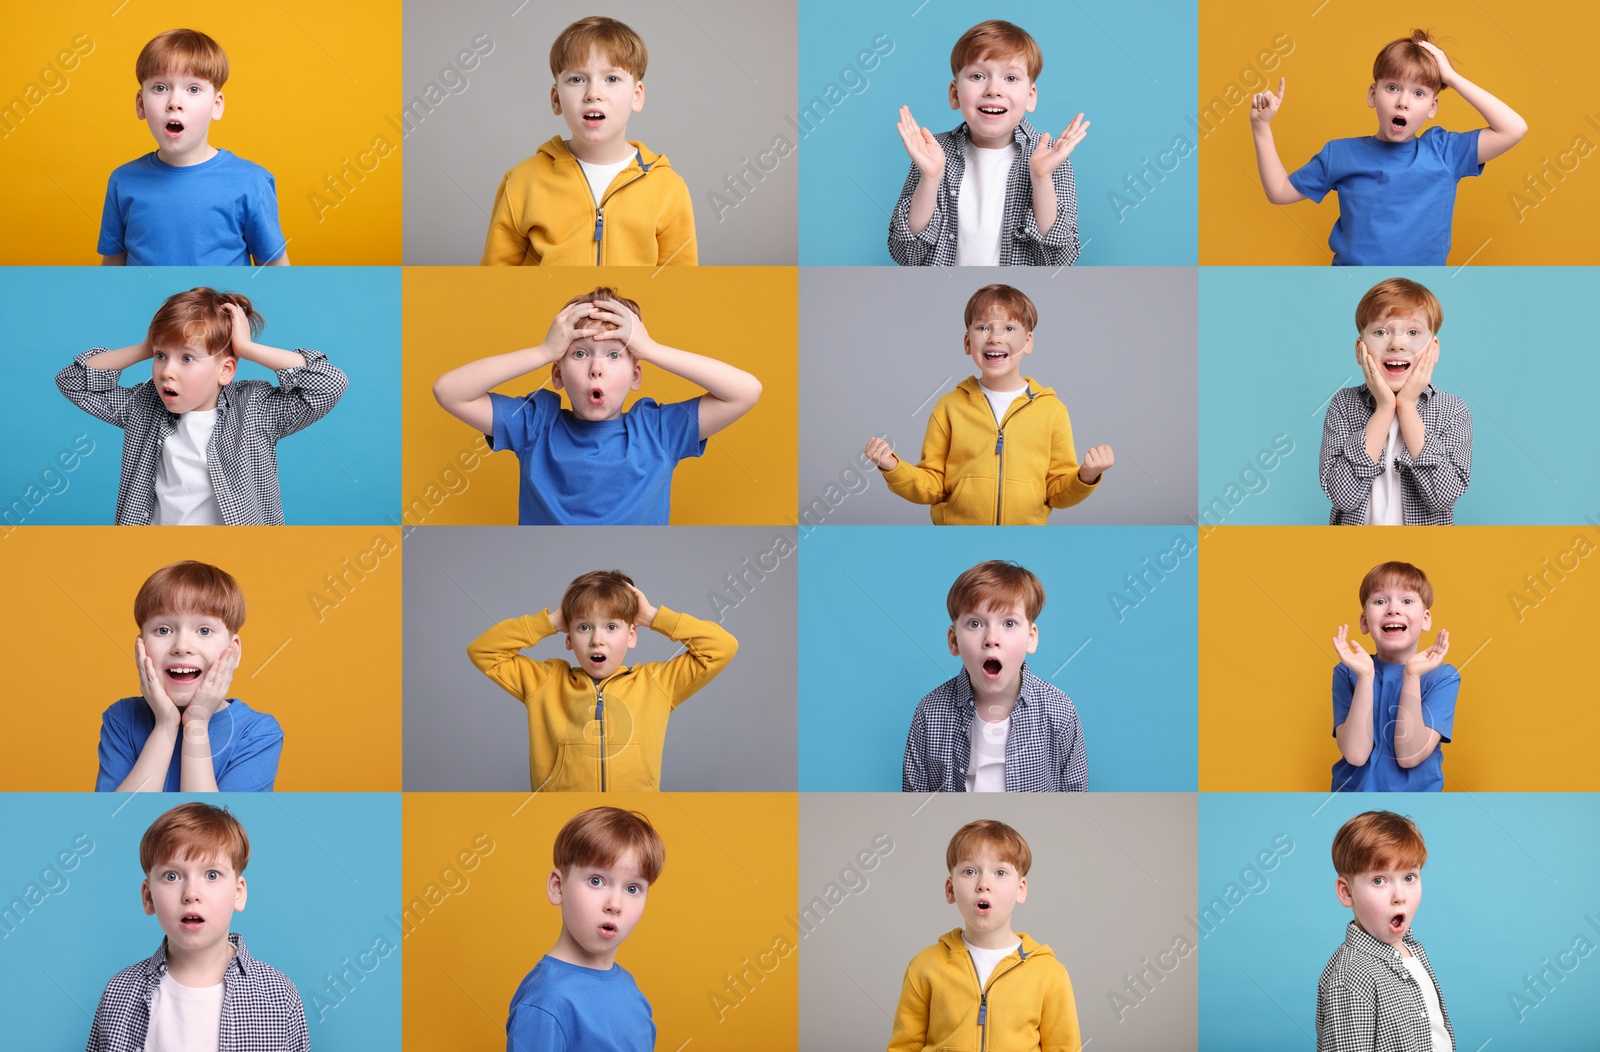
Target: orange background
1271,599
1536,58
307,92
727,892
334,685
746,316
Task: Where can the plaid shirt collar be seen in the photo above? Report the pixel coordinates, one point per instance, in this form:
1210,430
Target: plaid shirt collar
1426,395
1361,942
155,966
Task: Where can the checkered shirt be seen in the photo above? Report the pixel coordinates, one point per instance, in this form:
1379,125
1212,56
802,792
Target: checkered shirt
1430,483
1021,243
242,458
1368,1002
261,1010
1044,746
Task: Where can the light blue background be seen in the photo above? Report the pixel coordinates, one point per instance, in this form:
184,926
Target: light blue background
1511,879
342,470
324,875
1129,68
1517,345
873,641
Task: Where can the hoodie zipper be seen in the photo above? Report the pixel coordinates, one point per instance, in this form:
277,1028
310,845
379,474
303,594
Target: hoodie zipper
600,718
600,209
983,998
1000,456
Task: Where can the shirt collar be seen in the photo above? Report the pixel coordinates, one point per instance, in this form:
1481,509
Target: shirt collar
1359,941
1024,134
1025,689
156,963
1427,393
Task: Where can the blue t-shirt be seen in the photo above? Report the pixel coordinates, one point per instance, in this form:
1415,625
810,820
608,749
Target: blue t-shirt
595,473
218,213
1382,773
1396,199
561,1007
245,746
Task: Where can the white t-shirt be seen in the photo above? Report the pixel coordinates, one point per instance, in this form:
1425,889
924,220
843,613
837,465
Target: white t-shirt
1386,507
986,763
1000,401
183,489
600,176
981,205
985,960
1430,1001
184,1018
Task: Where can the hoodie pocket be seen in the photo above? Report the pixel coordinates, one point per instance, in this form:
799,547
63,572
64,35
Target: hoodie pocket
970,503
1024,503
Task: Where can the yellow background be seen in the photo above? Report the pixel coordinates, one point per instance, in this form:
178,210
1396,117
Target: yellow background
745,316
333,685
1536,58
727,892
1271,599
309,86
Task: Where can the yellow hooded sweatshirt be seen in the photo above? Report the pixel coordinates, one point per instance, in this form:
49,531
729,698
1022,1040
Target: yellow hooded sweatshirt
977,472
586,735
1027,1004
544,214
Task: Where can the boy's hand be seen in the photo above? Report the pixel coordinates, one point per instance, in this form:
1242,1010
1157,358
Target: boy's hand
1421,375
212,693
1447,72
629,331
921,145
1265,105
1425,661
558,622
646,614
1351,654
572,323
1048,156
1377,382
1095,463
881,453
240,325
166,713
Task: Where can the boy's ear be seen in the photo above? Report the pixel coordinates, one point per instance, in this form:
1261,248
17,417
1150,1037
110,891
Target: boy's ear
955,104
555,101
1033,100
1341,887
638,375
216,108
949,891
638,96
1372,96
954,650
144,895
555,376
240,895
1033,645
1427,620
1364,629
633,636
553,887
229,370
138,102
1022,890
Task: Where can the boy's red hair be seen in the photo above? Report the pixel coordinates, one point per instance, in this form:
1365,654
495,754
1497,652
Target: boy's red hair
1399,296
602,835
183,51
995,39
190,587
1012,303
195,831
1006,843
602,593
1397,575
1378,840
994,584
1406,59
196,318
612,39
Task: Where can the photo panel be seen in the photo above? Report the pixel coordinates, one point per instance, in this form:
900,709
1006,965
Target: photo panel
1110,890
881,348
1116,633
735,732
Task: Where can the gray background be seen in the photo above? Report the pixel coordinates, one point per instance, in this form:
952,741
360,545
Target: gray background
1113,881
719,88
878,346
463,732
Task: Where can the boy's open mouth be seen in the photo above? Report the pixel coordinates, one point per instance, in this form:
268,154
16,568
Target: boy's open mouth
174,127
183,673
191,921
1396,366
608,929
1391,628
993,111
1397,121
169,392
597,659
981,907
597,396
1397,923
996,356
992,667
593,117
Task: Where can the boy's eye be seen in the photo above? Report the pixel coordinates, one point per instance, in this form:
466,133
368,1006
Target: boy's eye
1379,880
595,882
213,874
583,628
206,630
614,355
1011,623
634,889
162,630
973,623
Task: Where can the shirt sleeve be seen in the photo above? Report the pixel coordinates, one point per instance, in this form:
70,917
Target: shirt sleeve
678,428
1074,777
119,750
498,654
906,248
113,227
97,392
506,244
675,240
708,648
1345,469
518,420
1346,1018
1063,487
1315,177
924,482
1441,472
303,395
1344,689
532,1029
1460,151
915,776
911,1015
1439,700
263,237
1058,246
252,765
1058,1017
